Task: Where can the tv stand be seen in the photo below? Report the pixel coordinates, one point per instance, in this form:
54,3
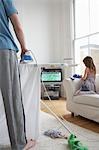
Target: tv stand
51,79
52,91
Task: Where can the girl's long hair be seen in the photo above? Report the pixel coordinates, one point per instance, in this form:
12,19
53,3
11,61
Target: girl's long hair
88,61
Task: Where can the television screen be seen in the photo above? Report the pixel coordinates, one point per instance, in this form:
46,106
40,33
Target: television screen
51,75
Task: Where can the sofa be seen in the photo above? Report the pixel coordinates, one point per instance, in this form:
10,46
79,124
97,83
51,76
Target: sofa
87,104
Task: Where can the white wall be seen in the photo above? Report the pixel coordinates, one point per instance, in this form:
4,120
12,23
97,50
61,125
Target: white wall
46,24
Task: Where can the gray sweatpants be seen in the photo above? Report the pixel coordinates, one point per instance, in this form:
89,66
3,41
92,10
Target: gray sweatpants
11,93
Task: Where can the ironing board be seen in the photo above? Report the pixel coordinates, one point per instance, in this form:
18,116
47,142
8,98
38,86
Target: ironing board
30,86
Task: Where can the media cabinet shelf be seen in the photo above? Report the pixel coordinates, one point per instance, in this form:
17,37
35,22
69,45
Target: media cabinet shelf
52,90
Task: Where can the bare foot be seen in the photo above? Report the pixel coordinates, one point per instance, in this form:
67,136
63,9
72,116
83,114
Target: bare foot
30,144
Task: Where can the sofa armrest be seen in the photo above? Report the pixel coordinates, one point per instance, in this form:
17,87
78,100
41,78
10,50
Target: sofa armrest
70,87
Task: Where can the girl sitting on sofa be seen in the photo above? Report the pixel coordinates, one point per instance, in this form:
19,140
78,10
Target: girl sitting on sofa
87,82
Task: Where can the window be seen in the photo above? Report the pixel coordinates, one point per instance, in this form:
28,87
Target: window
86,38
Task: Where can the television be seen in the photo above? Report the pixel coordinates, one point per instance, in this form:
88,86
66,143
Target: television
51,75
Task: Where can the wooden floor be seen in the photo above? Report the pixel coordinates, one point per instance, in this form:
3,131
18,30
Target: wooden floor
83,122
59,108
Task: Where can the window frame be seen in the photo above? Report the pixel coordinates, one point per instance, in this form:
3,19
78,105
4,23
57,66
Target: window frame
81,37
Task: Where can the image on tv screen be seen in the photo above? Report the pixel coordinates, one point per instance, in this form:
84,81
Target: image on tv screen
51,76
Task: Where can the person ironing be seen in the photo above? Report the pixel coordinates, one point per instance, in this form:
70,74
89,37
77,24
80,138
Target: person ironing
9,76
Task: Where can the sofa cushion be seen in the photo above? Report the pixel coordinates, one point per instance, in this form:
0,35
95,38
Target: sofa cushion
87,99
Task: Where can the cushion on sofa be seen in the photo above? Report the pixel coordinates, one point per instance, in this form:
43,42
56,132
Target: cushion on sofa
87,99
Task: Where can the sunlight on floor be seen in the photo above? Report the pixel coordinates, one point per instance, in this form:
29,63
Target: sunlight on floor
58,106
